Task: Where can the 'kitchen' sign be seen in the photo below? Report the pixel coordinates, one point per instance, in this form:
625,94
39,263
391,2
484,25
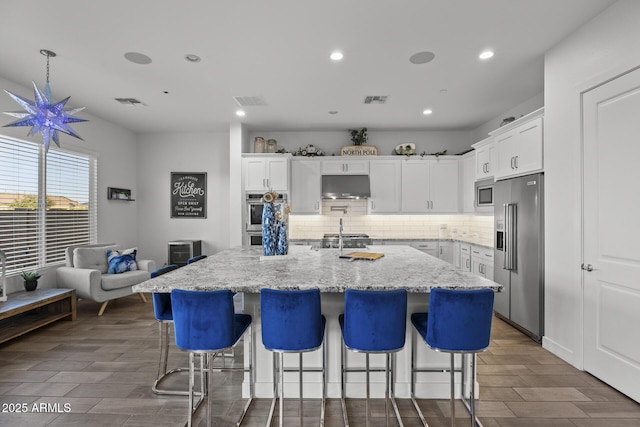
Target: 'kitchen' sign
188,195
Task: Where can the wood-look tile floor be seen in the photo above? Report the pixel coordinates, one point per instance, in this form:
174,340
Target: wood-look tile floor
97,371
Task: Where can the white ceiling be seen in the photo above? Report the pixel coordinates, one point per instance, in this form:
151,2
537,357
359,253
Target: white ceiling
279,49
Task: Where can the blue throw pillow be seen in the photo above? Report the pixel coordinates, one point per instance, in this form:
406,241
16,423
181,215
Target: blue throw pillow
119,262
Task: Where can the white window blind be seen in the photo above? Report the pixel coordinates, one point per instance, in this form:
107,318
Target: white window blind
47,202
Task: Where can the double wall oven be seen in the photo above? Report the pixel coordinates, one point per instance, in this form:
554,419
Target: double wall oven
253,215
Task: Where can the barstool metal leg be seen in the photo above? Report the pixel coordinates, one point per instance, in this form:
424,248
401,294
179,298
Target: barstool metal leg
453,392
343,351
324,383
414,342
281,393
163,344
368,391
274,360
191,385
300,385
393,390
387,386
209,387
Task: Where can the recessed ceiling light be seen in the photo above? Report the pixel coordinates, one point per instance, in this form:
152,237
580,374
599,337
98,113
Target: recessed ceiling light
240,113
422,57
336,56
427,112
192,58
486,54
137,58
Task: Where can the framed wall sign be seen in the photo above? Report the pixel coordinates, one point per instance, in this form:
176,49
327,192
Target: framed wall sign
188,194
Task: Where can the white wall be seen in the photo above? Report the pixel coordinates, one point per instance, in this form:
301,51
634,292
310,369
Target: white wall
158,156
117,164
455,142
600,50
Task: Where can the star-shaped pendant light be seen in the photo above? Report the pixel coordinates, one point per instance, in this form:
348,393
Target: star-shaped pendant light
44,115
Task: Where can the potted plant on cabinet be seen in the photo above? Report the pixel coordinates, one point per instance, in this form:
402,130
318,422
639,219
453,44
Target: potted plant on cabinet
30,280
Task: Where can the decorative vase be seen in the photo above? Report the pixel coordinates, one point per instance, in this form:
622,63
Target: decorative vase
30,285
259,144
282,245
268,229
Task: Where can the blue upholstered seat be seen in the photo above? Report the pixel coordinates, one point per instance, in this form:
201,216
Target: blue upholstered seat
196,258
292,322
374,321
458,321
205,323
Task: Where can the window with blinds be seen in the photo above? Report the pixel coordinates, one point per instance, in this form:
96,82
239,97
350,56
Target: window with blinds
47,202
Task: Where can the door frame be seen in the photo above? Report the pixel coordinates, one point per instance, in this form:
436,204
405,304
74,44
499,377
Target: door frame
593,84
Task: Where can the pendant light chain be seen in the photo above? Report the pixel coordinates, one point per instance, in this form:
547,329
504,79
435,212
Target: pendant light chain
48,54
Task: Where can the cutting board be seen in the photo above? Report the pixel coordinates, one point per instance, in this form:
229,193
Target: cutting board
370,256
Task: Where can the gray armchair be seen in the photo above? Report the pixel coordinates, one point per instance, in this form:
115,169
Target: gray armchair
86,269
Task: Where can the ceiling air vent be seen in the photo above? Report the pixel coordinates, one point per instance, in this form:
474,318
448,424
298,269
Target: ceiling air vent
250,101
375,99
132,102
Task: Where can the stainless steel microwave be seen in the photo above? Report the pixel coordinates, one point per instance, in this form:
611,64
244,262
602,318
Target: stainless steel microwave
484,193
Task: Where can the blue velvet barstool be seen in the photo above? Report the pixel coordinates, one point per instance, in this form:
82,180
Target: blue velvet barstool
373,322
164,316
458,322
292,322
196,258
205,323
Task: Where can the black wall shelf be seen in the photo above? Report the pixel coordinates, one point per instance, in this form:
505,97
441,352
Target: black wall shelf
119,194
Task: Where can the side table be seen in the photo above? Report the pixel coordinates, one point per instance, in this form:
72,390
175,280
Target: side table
26,311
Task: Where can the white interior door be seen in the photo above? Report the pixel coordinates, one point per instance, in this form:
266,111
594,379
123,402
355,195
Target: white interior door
611,214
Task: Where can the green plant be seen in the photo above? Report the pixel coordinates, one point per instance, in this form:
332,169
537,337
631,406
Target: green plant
30,275
358,136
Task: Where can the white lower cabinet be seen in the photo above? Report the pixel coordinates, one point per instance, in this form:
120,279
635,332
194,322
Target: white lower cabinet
482,262
445,251
456,254
430,248
465,256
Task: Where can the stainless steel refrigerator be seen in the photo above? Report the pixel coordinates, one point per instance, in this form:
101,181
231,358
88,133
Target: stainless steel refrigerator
519,252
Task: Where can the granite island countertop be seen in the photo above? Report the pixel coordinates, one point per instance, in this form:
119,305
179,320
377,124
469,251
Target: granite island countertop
241,269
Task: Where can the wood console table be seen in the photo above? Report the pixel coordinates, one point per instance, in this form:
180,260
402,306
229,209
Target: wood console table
26,311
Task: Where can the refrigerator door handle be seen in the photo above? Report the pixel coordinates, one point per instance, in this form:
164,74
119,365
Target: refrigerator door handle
506,237
510,236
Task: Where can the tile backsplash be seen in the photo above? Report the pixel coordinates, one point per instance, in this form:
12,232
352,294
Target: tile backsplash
472,228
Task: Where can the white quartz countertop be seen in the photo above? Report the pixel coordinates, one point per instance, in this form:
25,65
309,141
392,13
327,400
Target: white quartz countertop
242,270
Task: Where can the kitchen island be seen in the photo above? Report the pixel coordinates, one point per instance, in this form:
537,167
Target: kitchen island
243,270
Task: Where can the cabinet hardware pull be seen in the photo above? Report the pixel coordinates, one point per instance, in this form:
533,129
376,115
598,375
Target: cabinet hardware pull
516,162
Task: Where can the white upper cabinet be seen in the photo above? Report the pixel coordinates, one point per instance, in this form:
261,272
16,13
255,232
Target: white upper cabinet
485,161
443,184
384,176
266,173
468,181
519,146
429,186
415,186
345,167
306,182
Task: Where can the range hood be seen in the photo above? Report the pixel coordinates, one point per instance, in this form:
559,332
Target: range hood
345,186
